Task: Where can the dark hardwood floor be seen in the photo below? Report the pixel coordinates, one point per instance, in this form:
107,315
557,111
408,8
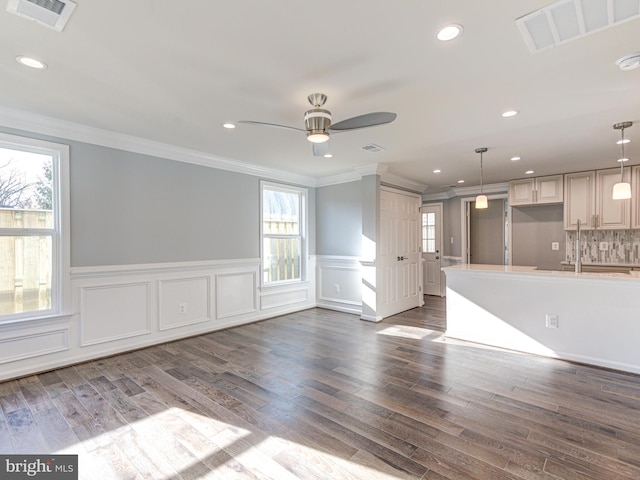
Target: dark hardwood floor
323,395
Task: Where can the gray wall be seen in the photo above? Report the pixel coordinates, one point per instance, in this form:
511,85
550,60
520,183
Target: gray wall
451,227
128,208
533,230
339,219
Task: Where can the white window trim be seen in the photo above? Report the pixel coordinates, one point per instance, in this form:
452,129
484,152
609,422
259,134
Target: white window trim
304,211
61,240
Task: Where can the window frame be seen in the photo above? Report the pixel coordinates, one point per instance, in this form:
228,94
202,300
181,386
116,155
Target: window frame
60,233
303,234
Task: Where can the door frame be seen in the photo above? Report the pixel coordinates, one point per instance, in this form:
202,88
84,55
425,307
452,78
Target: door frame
464,236
440,228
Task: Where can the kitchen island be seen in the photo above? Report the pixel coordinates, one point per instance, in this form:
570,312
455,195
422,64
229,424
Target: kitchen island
591,318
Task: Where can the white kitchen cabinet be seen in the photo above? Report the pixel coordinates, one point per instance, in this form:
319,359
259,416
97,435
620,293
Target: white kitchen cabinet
536,191
588,197
635,196
611,214
579,200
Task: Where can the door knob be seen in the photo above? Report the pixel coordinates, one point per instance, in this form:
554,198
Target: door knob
437,258
400,259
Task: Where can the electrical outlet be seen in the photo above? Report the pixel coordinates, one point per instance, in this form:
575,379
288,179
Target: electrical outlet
336,287
555,245
604,246
451,240
182,308
551,321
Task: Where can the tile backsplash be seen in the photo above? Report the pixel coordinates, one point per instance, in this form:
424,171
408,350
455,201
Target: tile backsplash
623,246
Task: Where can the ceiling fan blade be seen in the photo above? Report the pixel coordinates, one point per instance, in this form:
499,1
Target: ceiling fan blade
274,125
364,121
320,149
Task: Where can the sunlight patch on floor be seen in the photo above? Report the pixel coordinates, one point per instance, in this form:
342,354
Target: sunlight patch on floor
406,331
186,442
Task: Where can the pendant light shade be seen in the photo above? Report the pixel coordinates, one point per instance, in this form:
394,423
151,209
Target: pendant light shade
481,200
622,189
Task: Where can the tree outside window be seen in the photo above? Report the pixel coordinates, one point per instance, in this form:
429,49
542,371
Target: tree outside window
27,231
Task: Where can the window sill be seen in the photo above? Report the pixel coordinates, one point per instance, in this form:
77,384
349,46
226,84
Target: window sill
34,320
284,285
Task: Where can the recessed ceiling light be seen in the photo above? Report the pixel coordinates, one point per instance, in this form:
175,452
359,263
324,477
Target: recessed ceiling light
437,170
510,113
529,172
449,32
515,159
460,181
620,142
228,125
328,155
31,62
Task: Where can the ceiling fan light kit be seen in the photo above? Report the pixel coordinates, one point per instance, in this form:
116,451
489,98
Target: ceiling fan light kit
316,122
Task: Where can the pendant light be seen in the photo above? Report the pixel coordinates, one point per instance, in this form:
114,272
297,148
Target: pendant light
622,189
481,200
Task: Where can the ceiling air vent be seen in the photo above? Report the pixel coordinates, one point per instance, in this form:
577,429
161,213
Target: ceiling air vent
566,20
51,13
373,148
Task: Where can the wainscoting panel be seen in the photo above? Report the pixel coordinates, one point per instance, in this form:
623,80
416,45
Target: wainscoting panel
117,308
183,301
114,312
339,282
235,294
14,348
283,298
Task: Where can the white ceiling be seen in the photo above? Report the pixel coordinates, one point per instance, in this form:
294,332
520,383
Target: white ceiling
174,71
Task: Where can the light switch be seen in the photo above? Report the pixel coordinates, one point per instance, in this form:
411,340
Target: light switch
604,246
555,245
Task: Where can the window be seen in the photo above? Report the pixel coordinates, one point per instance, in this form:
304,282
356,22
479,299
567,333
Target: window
429,232
283,233
33,250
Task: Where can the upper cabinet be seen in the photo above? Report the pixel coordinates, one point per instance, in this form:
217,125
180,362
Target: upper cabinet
588,198
611,214
536,191
635,196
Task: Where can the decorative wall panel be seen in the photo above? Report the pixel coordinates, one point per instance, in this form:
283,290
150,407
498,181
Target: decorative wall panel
235,294
184,301
114,312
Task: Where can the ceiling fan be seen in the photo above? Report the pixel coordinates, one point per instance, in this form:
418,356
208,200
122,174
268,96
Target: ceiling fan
318,126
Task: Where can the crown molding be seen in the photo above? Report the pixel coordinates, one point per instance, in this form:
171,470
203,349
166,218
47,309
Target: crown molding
466,192
337,179
54,127
404,183
374,169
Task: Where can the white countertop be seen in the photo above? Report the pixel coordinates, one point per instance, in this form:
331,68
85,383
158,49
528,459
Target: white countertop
522,270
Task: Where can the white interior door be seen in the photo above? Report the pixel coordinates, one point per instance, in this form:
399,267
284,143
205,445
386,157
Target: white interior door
399,261
432,249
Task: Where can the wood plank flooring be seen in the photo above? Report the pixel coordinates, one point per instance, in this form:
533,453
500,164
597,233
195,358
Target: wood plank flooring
323,395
